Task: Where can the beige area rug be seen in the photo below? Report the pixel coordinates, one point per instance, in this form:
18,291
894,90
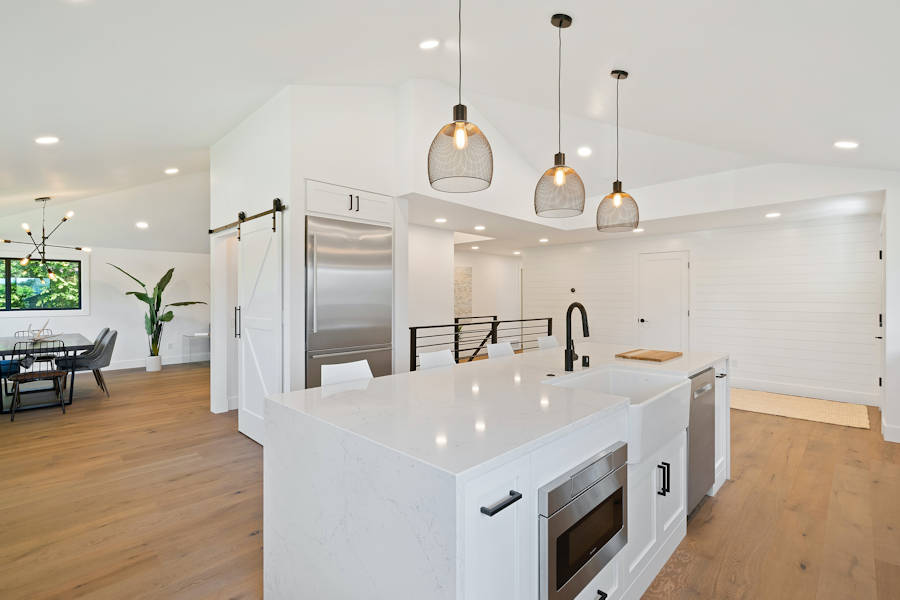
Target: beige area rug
798,407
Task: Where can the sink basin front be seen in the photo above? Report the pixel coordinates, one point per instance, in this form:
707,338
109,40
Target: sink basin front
659,404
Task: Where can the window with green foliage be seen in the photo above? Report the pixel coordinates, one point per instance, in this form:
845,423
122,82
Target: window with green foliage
29,288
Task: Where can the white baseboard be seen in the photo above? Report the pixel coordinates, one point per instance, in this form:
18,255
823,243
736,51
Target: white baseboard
890,433
171,359
872,398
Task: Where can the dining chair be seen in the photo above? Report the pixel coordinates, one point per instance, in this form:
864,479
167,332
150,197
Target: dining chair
547,341
343,372
500,350
440,358
30,369
95,359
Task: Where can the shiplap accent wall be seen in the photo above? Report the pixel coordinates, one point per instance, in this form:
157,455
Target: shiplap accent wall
794,304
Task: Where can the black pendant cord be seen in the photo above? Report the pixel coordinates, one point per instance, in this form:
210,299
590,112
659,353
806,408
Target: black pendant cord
559,94
459,46
617,127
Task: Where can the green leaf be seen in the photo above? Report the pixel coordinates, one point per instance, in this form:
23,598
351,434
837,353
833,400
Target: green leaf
141,296
183,303
141,283
147,324
164,281
167,317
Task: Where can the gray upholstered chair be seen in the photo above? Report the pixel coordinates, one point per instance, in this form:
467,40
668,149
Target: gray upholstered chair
94,359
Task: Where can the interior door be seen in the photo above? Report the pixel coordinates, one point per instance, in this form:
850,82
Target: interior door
258,317
663,301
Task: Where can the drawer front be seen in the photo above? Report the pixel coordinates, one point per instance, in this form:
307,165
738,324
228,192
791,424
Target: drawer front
325,198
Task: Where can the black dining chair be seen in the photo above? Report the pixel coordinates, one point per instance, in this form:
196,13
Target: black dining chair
95,359
29,369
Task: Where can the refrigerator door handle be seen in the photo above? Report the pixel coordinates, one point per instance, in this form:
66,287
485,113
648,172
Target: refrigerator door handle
349,352
315,283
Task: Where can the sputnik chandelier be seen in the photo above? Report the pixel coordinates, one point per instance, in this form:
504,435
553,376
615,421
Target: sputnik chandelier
38,249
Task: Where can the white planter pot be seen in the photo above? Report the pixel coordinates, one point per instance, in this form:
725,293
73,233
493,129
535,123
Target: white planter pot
154,363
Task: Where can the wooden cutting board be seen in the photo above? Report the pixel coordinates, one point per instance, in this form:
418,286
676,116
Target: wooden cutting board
651,355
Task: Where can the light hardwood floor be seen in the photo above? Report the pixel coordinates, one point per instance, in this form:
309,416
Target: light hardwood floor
148,495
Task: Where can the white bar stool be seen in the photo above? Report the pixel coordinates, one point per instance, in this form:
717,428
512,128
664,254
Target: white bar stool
500,350
440,358
343,372
547,341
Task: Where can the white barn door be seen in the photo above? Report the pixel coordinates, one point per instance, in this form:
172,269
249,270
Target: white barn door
259,321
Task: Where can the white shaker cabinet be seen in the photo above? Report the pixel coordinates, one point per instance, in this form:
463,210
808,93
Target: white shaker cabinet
348,203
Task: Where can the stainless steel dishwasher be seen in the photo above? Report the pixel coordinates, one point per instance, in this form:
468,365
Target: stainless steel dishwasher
701,437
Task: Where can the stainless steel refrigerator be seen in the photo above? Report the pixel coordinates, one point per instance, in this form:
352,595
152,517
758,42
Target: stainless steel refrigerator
349,295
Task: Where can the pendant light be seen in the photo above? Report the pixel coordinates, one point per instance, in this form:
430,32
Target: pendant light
460,158
559,191
617,211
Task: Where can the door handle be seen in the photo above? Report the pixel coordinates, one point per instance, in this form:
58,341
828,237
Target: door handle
662,491
351,201
702,390
357,204
349,352
513,497
315,280
237,321
642,321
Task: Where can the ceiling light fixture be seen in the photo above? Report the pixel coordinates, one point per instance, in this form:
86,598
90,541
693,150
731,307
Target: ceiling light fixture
559,191
40,247
474,247
479,228
429,44
846,144
142,225
773,215
617,211
170,171
638,230
517,253
460,157
46,140
585,151
543,240
440,220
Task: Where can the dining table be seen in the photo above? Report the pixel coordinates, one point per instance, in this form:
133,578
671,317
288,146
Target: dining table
74,343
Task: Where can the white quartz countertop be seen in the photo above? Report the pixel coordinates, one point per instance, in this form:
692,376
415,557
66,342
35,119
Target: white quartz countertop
459,417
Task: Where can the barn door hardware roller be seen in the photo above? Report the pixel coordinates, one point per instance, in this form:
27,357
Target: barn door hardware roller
242,217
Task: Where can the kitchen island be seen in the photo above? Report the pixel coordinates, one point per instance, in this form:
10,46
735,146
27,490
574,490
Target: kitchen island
382,488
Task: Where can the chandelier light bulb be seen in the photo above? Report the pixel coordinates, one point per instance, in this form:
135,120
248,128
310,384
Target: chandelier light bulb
52,275
559,178
70,214
25,260
85,249
460,137
26,227
617,200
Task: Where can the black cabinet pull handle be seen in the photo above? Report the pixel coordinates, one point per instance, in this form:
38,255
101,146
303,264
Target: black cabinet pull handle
357,204
601,595
351,201
668,477
490,511
662,492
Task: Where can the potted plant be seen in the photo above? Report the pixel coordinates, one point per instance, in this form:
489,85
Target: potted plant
157,313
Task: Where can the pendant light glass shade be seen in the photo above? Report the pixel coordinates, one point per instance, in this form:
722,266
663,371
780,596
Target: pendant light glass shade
617,211
460,157
559,191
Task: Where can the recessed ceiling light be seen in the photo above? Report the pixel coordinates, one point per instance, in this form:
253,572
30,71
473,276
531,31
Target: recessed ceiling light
773,215
479,228
440,220
474,247
517,253
429,44
543,240
846,144
440,440
142,225
585,151
46,140
170,171
638,230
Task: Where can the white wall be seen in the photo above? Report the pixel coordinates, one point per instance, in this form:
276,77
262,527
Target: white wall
430,276
495,283
794,304
110,307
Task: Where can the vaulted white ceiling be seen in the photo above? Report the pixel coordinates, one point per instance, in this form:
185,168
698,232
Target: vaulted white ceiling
132,87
